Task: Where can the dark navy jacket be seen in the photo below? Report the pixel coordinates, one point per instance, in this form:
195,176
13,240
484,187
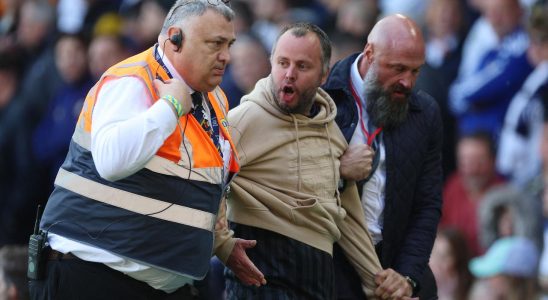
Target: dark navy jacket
413,174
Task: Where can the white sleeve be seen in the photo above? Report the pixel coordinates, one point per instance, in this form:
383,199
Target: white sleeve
127,130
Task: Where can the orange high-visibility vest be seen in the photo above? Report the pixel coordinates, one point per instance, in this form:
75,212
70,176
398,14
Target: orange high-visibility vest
164,214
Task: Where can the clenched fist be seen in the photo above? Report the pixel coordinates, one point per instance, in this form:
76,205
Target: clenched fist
356,162
176,88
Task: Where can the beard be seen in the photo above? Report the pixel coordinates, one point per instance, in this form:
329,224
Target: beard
383,111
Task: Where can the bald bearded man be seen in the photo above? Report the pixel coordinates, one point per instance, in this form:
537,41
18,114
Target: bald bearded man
395,137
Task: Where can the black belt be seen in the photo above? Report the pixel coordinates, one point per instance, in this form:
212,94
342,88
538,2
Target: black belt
56,255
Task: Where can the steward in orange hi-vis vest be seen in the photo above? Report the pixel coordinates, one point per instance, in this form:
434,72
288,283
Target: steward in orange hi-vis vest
175,214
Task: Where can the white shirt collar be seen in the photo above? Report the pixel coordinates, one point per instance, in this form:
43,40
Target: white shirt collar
357,80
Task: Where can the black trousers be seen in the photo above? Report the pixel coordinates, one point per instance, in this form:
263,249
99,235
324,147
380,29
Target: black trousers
75,279
293,270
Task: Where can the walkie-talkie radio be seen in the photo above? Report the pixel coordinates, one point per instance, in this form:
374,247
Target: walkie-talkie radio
37,241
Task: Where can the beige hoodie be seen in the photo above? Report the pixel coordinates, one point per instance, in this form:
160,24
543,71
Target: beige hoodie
289,177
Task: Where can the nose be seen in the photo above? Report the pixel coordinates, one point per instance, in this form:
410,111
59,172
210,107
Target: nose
290,73
407,80
224,55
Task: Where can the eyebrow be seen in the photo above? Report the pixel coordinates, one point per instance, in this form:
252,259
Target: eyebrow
222,38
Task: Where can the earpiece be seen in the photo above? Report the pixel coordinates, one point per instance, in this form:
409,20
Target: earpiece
177,39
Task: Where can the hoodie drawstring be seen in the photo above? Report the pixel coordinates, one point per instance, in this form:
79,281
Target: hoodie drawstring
337,193
298,152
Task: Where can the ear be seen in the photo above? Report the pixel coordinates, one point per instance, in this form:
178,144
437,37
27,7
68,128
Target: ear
175,36
368,53
324,76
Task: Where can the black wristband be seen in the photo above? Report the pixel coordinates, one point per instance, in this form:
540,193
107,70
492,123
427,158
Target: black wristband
414,286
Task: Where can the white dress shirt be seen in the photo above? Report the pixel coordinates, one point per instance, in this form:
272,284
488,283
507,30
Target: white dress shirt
373,190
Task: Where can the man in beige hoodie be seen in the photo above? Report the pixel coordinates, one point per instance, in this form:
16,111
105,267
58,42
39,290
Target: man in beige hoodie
286,195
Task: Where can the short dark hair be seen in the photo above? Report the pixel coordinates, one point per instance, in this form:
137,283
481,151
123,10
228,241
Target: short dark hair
301,29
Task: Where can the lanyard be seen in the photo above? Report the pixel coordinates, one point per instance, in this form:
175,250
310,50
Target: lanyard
370,138
161,62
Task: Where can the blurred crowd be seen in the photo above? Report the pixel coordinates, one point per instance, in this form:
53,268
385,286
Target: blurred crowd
486,65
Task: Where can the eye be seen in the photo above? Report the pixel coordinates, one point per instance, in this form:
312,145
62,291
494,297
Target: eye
215,44
399,68
283,63
303,66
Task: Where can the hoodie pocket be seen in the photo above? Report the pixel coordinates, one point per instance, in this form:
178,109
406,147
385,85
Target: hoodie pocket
310,213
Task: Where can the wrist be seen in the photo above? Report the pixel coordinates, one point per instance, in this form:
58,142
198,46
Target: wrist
413,284
175,104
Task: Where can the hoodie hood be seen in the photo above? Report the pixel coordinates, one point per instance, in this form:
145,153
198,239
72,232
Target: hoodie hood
263,96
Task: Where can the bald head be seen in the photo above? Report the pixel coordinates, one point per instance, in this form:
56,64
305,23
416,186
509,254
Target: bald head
394,38
396,31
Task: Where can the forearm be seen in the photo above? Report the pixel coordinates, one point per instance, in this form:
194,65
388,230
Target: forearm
224,240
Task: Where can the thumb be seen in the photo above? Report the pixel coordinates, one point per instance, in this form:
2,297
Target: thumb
380,277
157,83
248,243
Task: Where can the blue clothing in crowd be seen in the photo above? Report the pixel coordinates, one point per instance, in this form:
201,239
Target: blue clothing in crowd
479,101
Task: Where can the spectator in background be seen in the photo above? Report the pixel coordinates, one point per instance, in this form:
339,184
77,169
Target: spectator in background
39,81
108,45
518,156
105,51
444,37
249,63
13,265
51,138
506,211
109,24
480,39
34,40
480,99
449,263
465,188
151,17
357,18
268,15
95,9
344,45
509,269
36,23
244,17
